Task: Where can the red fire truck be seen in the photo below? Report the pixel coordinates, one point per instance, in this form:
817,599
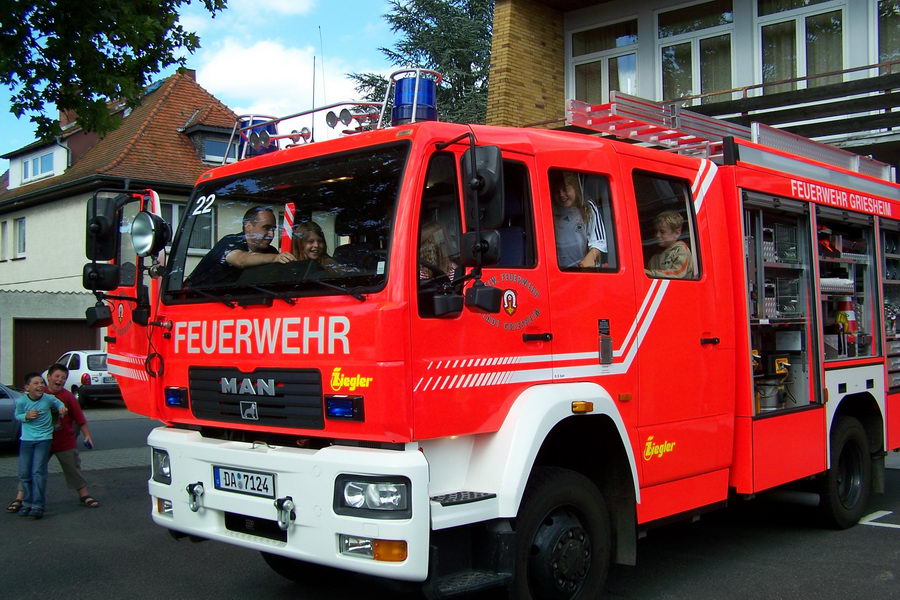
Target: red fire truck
478,356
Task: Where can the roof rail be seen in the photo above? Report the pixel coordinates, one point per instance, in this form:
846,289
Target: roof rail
675,128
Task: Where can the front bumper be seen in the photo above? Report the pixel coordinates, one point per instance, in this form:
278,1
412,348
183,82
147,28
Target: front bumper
308,477
101,390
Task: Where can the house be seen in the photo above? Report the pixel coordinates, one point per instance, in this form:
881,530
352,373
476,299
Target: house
826,69
179,131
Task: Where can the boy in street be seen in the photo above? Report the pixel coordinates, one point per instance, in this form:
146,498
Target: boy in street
65,442
33,410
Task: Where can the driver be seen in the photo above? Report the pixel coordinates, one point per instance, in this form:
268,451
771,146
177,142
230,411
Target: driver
236,251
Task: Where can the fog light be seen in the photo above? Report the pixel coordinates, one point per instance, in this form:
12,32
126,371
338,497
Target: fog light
164,507
380,550
161,467
356,546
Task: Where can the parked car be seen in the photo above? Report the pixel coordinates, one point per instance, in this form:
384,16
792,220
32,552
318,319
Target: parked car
88,378
9,427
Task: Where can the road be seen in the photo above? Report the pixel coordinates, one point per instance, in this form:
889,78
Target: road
767,548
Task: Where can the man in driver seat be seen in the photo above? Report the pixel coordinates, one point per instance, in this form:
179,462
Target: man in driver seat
236,251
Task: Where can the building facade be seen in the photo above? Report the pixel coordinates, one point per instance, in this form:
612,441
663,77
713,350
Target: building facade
178,132
750,59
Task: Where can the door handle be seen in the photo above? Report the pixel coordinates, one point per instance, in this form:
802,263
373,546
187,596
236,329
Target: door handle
709,340
537,337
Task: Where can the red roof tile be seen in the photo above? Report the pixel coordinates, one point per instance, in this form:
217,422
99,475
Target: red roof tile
149,144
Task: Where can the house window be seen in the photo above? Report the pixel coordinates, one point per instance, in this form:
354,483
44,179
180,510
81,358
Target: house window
202,237
695,50
19,229
605,59
799,38
3,238
214,151
889,34
37,167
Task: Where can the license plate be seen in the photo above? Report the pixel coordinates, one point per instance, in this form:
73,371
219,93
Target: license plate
109,380
255,483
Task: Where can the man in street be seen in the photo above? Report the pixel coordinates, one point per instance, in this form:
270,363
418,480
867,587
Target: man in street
234,252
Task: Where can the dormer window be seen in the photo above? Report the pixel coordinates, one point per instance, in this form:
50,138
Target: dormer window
214,151
37,167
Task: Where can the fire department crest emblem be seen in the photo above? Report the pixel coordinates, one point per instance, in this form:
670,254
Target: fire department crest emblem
120,313
510,302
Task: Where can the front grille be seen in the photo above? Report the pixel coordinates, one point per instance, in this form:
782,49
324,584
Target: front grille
227,394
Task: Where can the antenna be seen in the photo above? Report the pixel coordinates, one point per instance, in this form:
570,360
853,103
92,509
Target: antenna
312,137
322,48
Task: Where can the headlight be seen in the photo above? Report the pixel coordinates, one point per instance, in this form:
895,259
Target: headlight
162,470
149,233
375,497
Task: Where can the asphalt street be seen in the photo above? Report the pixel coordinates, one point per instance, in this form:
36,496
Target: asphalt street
771,547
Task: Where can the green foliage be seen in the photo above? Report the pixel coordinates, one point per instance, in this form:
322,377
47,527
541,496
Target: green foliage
452,37
81,54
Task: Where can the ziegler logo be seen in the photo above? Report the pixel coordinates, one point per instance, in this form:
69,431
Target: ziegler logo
340,381
262,387
657,450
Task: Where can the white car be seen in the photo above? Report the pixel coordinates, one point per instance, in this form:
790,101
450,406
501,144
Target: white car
88,378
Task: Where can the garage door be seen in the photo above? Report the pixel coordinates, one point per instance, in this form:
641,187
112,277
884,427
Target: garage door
38,342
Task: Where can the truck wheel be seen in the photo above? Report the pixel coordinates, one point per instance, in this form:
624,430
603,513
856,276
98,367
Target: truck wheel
846,486
562,538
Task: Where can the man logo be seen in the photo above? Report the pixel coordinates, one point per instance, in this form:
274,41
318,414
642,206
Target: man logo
249,411
262,387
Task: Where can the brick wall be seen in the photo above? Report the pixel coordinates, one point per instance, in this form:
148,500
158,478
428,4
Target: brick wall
527,64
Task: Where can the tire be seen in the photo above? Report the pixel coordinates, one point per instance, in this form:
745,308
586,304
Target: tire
562,538
297,570
81,397
847,484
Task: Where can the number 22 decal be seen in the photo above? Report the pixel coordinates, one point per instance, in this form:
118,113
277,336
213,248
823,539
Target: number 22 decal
204,204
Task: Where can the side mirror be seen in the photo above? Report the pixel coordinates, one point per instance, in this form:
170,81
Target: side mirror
149,233
102,233
100,276
487,244
447,305
483,297
488,179
98,316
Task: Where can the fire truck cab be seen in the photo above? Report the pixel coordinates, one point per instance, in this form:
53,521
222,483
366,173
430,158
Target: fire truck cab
474,356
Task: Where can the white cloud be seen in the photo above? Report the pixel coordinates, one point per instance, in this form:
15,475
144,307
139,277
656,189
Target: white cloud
269,78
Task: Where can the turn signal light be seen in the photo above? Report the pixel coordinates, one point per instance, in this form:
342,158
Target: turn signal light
582,406
390,550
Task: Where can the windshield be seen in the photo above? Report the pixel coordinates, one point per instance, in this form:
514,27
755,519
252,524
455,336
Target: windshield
96,362
321,226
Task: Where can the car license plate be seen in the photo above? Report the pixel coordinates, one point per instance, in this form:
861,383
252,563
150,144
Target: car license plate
255,483
109,380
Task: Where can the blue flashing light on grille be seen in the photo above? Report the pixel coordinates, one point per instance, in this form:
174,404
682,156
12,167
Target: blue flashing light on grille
176,397
344,408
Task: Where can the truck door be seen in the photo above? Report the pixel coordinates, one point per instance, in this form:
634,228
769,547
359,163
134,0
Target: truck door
133,304
686,393
469,368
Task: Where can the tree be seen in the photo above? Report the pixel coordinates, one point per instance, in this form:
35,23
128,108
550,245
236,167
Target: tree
82,54
452,37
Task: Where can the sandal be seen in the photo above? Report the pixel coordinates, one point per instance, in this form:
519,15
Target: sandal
89,502
14,506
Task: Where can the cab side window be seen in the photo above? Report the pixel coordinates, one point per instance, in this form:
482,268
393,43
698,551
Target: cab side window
668,227
439,230
582,218
517,230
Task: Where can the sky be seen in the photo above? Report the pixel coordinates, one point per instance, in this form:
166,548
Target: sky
257,57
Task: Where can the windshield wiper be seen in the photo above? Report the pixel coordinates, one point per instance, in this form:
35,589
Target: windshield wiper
349,291
274,294
228,303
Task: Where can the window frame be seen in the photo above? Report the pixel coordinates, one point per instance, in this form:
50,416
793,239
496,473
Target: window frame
20,237
692,232
607,215
178,209
694,37
215,159
798,16
29,162
601,56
